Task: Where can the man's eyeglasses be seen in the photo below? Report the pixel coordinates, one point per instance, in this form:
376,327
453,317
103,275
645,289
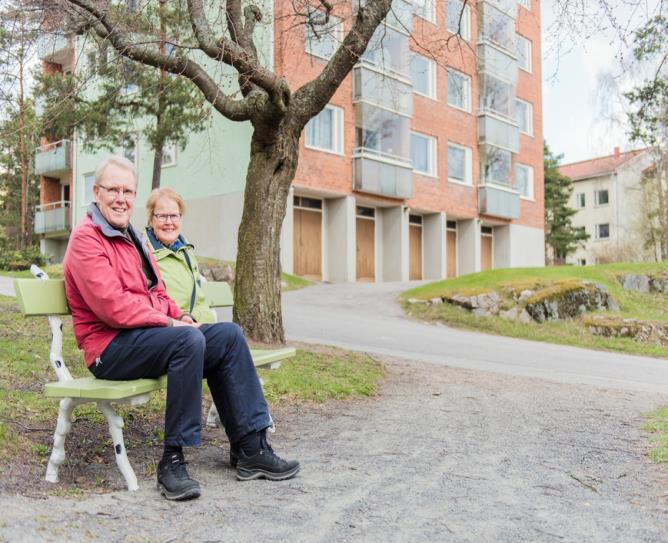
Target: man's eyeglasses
128,194
162,217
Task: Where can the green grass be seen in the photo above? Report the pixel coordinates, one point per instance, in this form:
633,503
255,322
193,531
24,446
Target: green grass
53,270
634,305
657,425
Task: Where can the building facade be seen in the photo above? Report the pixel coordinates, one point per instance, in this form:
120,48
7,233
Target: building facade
426,164
609,202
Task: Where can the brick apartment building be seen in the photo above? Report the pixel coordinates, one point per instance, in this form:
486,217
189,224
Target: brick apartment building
427,163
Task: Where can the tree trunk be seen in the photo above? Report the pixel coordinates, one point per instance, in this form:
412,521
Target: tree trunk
23,235
257,289
157,168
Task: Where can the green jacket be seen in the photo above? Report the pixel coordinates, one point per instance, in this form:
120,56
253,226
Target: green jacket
179,277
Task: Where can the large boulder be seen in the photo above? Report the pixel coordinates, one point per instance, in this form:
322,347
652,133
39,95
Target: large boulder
644,331
568,299
634,281
217,272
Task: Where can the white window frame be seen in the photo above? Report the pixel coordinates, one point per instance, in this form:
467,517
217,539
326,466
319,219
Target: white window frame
467,98
337,132
597,203
426,11
85,196
134,137
530,181
468,165
528,46
174,152
431,76
526,4
577,200
432,146
335,32
529,115
465,21
597,230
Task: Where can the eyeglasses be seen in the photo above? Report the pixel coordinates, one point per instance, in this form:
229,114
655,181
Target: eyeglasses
128,194
162,217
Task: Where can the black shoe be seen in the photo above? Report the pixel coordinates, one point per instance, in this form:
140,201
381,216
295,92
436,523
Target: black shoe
264,464
174,482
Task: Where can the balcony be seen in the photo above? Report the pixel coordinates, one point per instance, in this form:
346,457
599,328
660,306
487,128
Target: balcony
400,15
497,62
53,218
499,201
498,27
54,159
496,131
380,174
372,86
55,48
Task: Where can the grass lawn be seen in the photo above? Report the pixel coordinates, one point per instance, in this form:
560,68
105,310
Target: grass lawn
27,418
657,425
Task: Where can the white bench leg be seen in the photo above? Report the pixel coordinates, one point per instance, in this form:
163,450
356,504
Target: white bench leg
116,431
63,427
213,419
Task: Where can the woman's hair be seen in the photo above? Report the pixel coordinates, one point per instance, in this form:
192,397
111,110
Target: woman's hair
157,194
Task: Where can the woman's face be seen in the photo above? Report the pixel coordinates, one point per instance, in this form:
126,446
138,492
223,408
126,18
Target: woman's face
166,221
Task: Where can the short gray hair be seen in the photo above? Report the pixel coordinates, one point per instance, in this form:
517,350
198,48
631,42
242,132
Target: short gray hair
116,160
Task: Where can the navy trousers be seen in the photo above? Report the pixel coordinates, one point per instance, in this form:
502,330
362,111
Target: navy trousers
217,352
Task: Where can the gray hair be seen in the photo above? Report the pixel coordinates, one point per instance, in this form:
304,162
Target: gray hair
116,160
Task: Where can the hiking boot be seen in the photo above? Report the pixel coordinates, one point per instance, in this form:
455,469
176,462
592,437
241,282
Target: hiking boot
264,464
174,483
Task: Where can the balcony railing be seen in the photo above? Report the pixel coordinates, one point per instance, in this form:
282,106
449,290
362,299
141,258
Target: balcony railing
53,218
55,48
497,62
499,201
54,159
494,130
379,174
370,85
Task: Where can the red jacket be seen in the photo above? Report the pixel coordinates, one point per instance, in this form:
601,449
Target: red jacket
106,288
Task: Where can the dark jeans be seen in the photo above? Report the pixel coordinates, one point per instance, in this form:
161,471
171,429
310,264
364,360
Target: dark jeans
186,354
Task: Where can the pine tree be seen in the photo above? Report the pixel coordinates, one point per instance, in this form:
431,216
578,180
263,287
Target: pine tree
561,237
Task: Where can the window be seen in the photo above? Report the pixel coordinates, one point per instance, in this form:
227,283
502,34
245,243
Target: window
323,38
582,261
388,50
498,27
129,149
88,182
423,154
524,181
580,200
425,9
601,197
524,53
423,75
459,90
459,164
496,163
458,18
524,113
382,132
497,96
525,3
168,154
325,131
603,231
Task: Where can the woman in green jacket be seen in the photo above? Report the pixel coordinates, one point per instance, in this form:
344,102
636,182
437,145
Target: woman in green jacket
176,260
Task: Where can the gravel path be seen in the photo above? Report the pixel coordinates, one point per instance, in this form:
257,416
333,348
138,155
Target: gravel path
441,454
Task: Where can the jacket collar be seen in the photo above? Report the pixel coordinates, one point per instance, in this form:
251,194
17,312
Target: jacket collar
156,245
98,220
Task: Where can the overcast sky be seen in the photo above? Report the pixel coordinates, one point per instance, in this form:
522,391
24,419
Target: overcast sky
580,119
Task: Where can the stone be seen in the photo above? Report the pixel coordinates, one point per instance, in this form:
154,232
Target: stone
511,314
525,317
436,301
571,301
525,295
633,281
481,312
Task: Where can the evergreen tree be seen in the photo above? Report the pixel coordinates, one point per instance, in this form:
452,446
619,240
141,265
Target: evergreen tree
561,237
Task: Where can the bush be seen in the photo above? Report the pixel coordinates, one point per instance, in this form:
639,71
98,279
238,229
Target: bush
21,259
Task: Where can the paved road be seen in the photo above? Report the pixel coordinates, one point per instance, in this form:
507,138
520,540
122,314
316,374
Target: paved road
6,288
363,316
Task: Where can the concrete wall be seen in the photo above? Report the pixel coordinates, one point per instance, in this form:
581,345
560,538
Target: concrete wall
468,246
517,246
395,243
340,235
433,246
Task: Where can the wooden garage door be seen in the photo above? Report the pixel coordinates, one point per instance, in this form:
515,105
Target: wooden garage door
307,240
485,252
451,252
366,249
415,252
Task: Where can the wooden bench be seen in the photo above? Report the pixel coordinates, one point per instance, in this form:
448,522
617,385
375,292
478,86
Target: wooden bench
46,297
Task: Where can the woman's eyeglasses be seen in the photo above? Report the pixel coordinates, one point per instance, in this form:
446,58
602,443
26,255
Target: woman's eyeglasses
163,217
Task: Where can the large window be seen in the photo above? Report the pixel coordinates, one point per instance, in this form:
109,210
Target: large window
459,164
323,38
602,197
89,181
388,50
524,111
325,131
129,148
497,96
580,200
169,153
603,231
458,18
496,163
524,53
459,90
524,181
425,9
423,154
382,132
498,27
423,75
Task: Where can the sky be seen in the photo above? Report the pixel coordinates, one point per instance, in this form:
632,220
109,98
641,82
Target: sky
581,120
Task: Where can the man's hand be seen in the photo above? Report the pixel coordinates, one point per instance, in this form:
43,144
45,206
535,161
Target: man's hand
186,318
176,322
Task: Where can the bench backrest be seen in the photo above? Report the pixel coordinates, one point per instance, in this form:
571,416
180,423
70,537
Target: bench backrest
218,293
38,297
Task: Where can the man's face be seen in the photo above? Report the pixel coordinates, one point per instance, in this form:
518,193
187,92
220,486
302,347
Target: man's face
115,195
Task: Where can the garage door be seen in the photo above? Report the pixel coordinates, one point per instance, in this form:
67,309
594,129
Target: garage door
451,252
486,249
366,244
307,237
415,247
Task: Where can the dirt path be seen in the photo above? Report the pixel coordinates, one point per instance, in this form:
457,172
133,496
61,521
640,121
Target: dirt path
441,455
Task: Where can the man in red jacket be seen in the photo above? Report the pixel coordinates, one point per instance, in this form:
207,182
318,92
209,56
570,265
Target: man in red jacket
129,329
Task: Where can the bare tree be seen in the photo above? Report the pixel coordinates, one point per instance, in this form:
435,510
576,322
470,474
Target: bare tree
276,112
